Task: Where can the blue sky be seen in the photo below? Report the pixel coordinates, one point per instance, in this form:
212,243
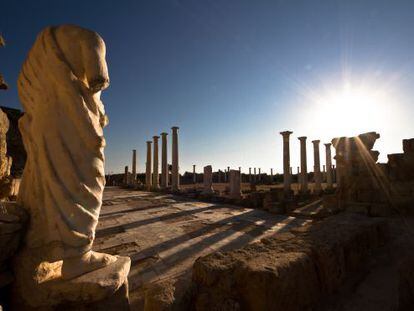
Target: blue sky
233,74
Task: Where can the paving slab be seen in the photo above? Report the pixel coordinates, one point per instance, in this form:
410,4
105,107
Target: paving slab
164,234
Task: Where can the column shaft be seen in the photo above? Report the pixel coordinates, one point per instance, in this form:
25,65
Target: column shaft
148,179
329,179
286,161
164,161
126,175
235,184
155,173
208,180
317,167
303,165
175,167
134,166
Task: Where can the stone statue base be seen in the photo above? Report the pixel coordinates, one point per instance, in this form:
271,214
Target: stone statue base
39,286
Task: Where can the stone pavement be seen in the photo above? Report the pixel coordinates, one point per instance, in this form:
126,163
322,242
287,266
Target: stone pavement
164,234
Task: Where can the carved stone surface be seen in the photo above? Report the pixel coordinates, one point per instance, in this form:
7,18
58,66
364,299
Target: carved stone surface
63,181
5,160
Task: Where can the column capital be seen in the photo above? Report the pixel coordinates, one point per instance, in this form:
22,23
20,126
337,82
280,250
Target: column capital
164,134
316,141
155,137
285,133
149,142
174,128
328,145
302,138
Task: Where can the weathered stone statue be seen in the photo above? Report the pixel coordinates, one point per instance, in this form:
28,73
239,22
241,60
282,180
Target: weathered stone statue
60,86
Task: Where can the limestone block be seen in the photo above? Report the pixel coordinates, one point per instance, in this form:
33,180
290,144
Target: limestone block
40,284
235,184
5,160
15,148
408,145
208,180
160,296
297,272
13,221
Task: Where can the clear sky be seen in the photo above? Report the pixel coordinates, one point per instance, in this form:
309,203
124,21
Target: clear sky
233,74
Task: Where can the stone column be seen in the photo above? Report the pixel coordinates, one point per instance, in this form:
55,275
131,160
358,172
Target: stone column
260,174
175,168
254,175
271,175
250,175
286,161
148,179
164,161
126,179
227,174
155,173
134,167
235,184
329,179
323,173
208,180
219,176
194,174
317,167
303,165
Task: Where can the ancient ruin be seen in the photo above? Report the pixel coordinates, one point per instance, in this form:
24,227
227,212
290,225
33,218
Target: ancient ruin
228,212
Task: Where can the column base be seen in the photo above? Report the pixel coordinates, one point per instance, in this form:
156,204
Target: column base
39,286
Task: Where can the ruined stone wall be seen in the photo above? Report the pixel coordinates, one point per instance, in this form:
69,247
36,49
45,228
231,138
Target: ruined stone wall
297,270
377,189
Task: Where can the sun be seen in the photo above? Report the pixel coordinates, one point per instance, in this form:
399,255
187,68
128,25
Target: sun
350,110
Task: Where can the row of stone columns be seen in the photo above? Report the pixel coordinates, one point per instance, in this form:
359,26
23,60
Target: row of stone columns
303,176
152,164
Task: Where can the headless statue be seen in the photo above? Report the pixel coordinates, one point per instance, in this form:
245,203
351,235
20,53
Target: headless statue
60,86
